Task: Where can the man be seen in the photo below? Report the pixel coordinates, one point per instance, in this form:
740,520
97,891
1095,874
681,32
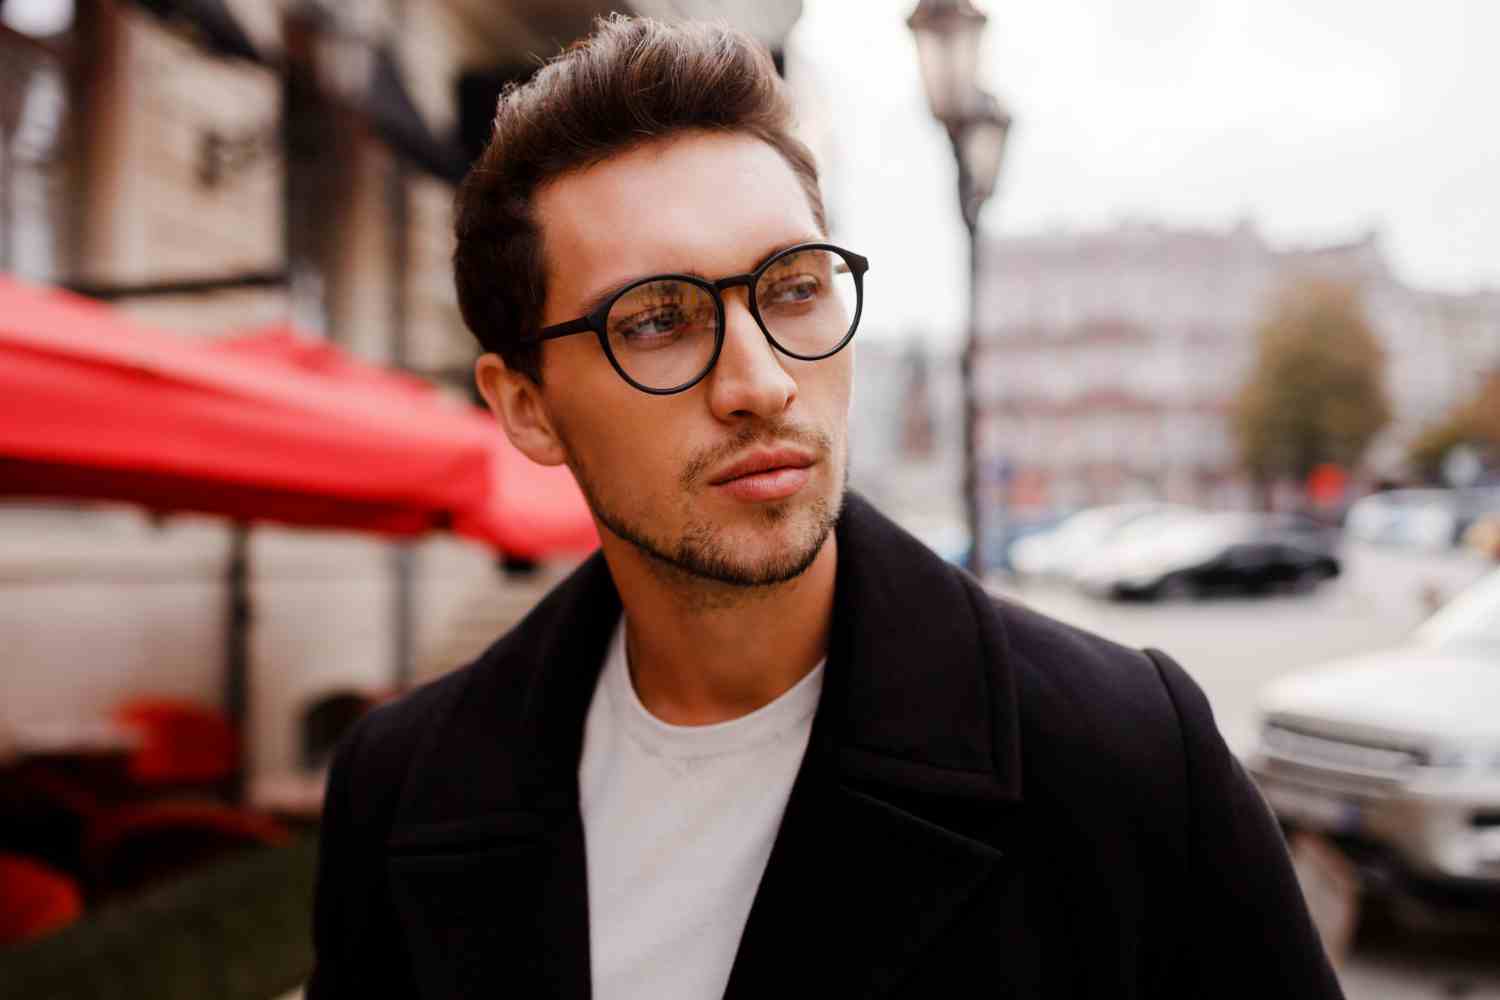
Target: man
764,743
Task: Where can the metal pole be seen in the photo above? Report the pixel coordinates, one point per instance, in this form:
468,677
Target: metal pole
403,615
402,555
13,82
970,209
6,169
237,647
971,415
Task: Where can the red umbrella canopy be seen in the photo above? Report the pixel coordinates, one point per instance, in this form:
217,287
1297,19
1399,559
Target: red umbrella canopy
268,427
531,511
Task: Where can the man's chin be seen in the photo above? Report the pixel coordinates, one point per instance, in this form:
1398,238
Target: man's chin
756,546
778,545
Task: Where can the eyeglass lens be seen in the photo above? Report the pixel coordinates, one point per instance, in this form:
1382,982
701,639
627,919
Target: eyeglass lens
662,332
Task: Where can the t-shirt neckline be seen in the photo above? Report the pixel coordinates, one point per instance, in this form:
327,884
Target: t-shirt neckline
786,712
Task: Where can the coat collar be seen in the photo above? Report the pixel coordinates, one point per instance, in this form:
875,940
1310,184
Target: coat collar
917,723
918,695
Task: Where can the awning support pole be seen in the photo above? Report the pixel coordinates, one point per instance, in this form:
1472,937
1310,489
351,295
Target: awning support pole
237,645
403,614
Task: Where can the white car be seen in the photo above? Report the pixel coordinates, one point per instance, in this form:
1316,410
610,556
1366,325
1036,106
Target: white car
1396,755
1054,552
1128,551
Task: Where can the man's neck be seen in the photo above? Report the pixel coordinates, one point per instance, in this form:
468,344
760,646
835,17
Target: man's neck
702,652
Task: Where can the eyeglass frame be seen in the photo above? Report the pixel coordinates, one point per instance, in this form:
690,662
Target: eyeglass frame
594,322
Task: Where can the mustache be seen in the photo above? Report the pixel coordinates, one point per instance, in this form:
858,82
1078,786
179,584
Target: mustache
781,432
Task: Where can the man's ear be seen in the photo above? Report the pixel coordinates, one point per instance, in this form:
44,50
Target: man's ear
516,401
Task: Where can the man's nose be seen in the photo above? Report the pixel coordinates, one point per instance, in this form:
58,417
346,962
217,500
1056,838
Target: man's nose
748,379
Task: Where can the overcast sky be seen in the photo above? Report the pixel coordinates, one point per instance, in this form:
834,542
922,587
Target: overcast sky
1318,119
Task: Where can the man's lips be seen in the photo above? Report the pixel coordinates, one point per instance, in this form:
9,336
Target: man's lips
760,462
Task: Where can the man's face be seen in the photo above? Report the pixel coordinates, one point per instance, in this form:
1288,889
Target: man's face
658,470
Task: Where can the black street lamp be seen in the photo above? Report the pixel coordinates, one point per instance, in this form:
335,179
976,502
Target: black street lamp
948,33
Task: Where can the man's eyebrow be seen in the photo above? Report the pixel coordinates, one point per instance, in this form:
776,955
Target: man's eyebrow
597,301
787,245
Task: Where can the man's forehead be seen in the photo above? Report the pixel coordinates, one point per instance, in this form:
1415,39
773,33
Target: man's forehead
701,203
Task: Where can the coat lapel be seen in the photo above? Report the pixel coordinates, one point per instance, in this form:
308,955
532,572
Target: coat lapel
855,894
903,813
505,915
486,857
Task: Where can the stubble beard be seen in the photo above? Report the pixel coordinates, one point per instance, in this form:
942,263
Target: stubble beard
700,556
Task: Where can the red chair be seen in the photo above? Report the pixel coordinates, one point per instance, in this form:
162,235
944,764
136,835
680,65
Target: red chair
136,846
34,899
183,744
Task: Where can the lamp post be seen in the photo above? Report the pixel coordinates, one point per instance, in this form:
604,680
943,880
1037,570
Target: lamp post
947,34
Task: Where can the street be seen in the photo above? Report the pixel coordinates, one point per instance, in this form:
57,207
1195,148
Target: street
1233,646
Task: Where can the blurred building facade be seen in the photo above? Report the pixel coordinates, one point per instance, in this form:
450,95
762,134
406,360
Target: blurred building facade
213,166
905,440
1109,359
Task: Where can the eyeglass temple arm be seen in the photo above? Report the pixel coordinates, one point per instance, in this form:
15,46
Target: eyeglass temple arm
580,325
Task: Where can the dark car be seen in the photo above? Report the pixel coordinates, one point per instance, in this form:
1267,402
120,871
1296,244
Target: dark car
1245,553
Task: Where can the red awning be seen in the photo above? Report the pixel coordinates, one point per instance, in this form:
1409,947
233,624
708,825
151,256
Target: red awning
269,427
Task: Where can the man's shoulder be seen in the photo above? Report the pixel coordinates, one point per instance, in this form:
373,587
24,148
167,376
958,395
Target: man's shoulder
405,746
402,719
386,739
1054,659
376,754
1093,710
1074,692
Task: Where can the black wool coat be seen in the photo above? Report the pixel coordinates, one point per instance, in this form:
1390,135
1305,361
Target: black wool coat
992,804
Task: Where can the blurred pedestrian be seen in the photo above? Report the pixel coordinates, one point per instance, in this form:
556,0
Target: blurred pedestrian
764,743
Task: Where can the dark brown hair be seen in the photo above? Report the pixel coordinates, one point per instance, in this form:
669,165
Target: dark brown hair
634,80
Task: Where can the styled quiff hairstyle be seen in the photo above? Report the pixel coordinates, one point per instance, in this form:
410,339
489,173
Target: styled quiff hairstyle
633,81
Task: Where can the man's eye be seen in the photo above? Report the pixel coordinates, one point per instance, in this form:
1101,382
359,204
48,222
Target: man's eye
651,327
790,291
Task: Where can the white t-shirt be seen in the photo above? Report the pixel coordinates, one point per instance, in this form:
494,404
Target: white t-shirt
678,823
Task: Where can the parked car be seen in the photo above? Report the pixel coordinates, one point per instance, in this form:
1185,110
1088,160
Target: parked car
1395,755
1140,534
1420,518
1005,530
1055,551
1187,555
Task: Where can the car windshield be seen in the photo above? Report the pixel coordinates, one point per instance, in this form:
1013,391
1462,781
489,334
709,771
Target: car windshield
1470,619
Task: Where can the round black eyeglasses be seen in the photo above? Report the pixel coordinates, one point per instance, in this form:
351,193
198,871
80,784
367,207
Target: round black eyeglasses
663,334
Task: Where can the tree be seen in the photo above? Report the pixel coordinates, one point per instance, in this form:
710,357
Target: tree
1474,422
1317,392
